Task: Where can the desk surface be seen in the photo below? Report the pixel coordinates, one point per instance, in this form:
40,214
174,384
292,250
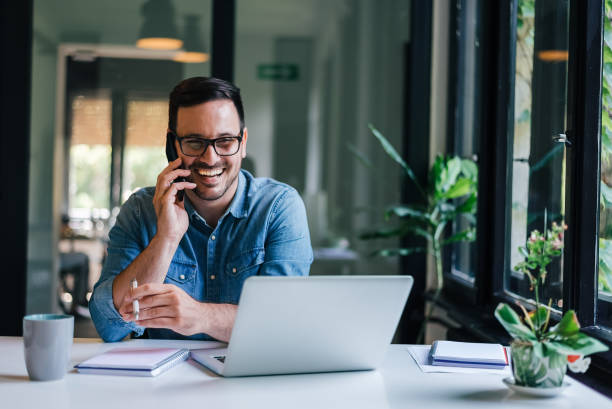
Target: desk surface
399,383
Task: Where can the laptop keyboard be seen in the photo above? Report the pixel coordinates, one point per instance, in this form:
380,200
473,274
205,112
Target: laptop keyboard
220,358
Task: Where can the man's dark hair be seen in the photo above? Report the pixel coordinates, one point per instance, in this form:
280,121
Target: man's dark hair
197,90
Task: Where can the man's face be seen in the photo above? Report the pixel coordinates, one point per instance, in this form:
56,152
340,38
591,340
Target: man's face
216,176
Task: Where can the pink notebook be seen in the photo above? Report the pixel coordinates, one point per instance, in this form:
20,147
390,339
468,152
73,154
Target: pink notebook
134,361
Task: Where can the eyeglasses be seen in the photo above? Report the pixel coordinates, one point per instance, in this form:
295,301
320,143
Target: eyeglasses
226,146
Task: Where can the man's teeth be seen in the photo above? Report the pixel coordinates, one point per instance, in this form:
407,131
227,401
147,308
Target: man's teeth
209,172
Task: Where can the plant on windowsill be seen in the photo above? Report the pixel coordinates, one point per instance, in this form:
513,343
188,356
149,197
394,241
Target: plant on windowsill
450,194
540,353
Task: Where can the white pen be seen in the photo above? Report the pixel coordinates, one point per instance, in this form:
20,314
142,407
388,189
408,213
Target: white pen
135,305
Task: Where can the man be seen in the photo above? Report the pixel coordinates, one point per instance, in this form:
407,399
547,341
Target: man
191,255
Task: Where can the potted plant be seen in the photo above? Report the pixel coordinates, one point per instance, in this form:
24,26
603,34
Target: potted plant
451,193
540,352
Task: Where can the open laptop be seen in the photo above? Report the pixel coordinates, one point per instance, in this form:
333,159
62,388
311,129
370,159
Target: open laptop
287,325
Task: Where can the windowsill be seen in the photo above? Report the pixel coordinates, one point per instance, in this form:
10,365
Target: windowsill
479,325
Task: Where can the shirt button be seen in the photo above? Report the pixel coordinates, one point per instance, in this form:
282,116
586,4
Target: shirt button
182,276
212,277
212,237
234,270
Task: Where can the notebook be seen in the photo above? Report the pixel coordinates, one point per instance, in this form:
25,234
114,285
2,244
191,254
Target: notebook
469,355
133,361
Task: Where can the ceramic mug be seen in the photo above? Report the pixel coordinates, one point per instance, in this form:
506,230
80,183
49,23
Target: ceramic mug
47,343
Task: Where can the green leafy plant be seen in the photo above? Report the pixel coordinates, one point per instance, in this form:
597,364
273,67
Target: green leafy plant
533,333
449,194
605,233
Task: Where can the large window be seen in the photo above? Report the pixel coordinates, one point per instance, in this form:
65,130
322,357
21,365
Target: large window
604,310
538,154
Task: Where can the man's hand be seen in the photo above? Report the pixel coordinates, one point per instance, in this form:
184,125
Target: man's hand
172,219
165,306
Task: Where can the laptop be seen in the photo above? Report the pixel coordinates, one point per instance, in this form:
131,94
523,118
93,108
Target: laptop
290,325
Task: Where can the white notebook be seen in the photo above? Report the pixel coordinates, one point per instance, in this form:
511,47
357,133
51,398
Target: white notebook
468,354
134,361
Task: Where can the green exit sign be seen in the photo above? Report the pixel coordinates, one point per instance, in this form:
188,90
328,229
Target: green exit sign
278,72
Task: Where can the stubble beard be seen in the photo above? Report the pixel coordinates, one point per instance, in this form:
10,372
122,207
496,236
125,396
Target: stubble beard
204,196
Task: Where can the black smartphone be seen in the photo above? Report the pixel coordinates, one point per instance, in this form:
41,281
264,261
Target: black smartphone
172,155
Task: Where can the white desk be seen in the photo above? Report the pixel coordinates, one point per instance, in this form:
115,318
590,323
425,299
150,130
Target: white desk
398,384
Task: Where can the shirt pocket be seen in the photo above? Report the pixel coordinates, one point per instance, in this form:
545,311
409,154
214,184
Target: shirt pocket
182,274
237,270
246,264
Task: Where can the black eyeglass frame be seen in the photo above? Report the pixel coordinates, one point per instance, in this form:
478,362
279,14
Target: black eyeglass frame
208,142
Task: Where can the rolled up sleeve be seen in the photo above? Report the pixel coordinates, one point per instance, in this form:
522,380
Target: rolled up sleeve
125,244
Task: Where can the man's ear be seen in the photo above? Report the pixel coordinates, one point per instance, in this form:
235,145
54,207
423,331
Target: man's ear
245,135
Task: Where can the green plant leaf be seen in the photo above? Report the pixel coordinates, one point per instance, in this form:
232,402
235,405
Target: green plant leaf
512,323
606,193
469,169
453,166
466,235
437,176
407,211
554,151
390,150
605,265
469,206
539,317
568,325
460,188
578,344
607,32
365,161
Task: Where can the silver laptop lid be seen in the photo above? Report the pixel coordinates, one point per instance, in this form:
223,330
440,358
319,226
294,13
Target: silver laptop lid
314,324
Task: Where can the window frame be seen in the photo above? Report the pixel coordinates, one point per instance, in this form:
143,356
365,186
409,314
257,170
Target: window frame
580,258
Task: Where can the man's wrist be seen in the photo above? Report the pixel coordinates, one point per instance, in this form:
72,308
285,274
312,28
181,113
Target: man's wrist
165,245
204,322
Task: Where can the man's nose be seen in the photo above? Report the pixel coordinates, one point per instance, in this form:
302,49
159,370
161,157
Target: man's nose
209,156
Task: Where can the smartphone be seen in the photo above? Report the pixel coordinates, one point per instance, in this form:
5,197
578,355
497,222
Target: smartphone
172,155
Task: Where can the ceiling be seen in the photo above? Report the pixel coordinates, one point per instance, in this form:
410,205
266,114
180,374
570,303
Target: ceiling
118,21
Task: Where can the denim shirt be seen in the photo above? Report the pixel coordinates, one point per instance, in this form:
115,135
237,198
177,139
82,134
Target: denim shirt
263,232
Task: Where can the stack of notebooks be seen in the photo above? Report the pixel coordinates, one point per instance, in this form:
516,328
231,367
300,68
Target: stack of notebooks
469,355
134,362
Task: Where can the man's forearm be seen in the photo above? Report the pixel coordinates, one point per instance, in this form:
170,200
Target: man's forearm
151,266
219,320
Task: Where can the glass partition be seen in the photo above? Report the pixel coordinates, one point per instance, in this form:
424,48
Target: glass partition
313,76
99,116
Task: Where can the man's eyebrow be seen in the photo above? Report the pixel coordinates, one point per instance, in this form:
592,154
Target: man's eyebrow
197,135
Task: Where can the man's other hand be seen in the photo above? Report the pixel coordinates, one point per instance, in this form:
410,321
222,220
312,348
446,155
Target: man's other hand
165,306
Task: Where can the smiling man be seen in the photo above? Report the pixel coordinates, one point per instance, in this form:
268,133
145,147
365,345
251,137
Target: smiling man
191,253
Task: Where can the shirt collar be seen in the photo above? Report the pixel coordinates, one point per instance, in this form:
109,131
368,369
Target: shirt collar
238,206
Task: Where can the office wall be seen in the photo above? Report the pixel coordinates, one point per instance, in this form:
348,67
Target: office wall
258,98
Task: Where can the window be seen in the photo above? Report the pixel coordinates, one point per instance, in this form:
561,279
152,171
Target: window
90,158
604,284
537,160
144,156
464,117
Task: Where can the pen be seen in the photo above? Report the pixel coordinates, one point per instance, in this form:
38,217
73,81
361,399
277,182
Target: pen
135,306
